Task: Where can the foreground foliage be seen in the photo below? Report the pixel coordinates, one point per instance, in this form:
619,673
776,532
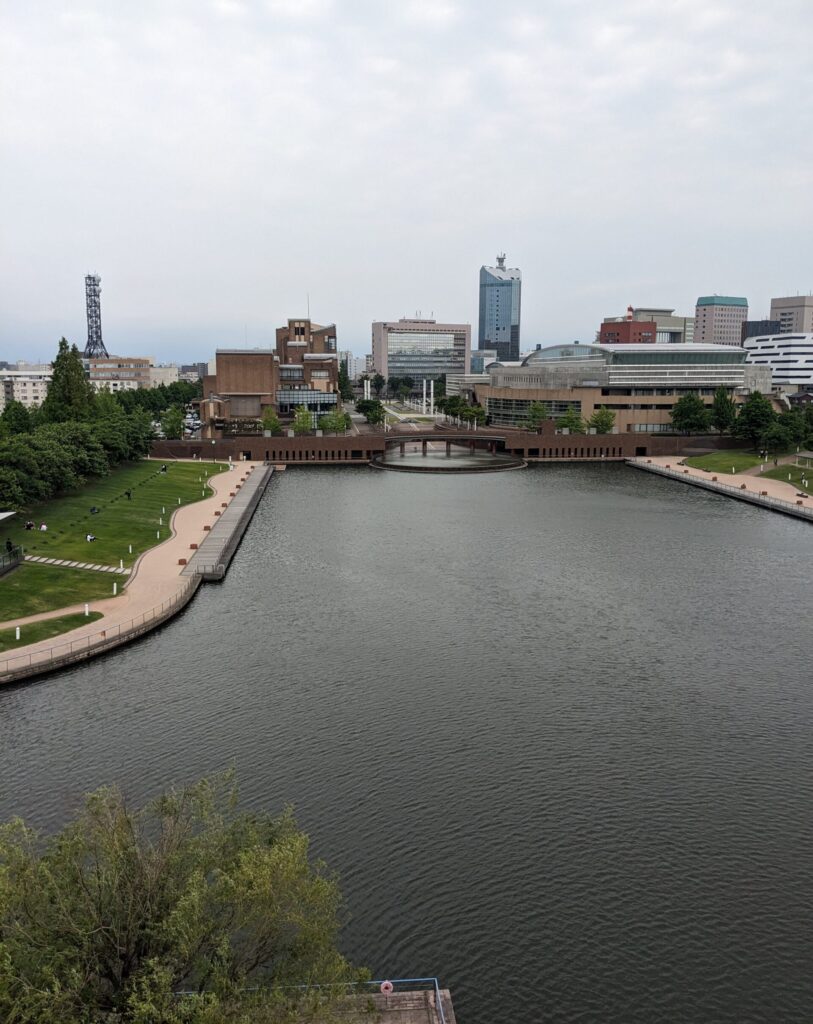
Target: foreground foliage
185,912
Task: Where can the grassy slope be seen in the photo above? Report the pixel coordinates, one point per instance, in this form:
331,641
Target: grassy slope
119,522
796,474
721,462
31,589
43,630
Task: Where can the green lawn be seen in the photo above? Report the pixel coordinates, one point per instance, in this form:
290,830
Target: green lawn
43,630
721,462
119,522
796,474
32,588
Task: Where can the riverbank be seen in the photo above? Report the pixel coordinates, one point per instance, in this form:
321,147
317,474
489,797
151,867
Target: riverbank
157,588
774,495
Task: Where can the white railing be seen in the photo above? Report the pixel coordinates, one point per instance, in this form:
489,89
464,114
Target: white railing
106,636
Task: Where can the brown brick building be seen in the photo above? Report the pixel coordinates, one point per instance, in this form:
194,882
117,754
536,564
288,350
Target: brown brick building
303,369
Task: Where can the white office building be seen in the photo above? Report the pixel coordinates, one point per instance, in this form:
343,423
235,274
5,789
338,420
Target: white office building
790,357
28,386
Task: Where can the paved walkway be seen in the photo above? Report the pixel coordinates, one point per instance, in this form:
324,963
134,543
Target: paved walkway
119,570
756,484
156,576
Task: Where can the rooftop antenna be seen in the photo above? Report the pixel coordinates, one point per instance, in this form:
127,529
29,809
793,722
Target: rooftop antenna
501,261
95,346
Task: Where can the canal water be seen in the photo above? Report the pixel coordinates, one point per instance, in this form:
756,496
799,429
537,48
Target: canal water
552,727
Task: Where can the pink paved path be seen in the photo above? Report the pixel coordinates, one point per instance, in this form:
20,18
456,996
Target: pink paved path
775,488
156,575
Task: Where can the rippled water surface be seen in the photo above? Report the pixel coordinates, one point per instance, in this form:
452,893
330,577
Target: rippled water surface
553,727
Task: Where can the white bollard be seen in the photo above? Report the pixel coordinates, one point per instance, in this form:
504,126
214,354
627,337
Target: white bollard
157,534
17,633
179,501
160,521
115,588
87,610
121,563
130,546
163,510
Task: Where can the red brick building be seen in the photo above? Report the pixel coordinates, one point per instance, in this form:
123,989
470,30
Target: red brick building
628,332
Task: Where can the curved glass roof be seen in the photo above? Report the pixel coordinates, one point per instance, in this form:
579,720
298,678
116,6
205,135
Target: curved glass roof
560,352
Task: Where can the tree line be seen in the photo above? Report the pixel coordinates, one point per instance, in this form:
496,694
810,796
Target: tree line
755,420
76,433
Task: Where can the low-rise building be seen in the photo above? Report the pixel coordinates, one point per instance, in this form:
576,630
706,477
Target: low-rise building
755,328
167,373
790,357
28,386
639,383
106,372
669,329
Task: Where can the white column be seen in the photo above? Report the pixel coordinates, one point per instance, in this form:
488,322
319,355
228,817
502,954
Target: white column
423,403
432,397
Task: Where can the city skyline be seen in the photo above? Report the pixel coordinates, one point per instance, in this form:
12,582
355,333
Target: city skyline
227,165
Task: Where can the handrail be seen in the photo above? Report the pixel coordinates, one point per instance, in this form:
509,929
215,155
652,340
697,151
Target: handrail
105,637
715,485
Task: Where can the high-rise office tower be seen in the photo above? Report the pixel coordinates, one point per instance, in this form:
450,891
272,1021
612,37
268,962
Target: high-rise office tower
500,300
718,319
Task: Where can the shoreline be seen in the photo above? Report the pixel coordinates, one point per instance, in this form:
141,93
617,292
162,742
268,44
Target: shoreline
772,495
157,588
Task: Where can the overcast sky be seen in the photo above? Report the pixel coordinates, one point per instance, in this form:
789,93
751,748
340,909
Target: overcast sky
216,161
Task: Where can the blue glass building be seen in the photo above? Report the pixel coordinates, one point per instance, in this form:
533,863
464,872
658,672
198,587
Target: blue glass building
500,299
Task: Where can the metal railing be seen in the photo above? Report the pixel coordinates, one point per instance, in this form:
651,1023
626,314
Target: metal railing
744,494
9,559
102,639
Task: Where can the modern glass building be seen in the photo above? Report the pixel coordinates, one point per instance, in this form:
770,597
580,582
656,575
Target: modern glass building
420,349
500,302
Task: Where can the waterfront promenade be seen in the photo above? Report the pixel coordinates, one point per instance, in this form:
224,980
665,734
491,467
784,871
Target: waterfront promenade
776,495
157,586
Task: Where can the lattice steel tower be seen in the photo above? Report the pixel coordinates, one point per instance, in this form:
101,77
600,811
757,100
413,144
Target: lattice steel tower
95,346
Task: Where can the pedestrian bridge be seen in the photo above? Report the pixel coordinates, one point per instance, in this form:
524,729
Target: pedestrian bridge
467,452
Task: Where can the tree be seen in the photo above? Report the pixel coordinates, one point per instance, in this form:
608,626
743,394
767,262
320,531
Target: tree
755,416
723,411
271,421
70,394
403,390
776,438
440,386
345,387
371,409
303,420
172,423
793,420
12,497
537,414
572,421
185,911
602,420
378,384
15,419
334,422
690,415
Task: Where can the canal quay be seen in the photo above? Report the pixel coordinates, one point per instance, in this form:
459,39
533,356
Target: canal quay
203,539
550,727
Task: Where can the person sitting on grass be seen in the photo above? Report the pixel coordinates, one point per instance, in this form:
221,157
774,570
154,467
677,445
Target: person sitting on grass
90,537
